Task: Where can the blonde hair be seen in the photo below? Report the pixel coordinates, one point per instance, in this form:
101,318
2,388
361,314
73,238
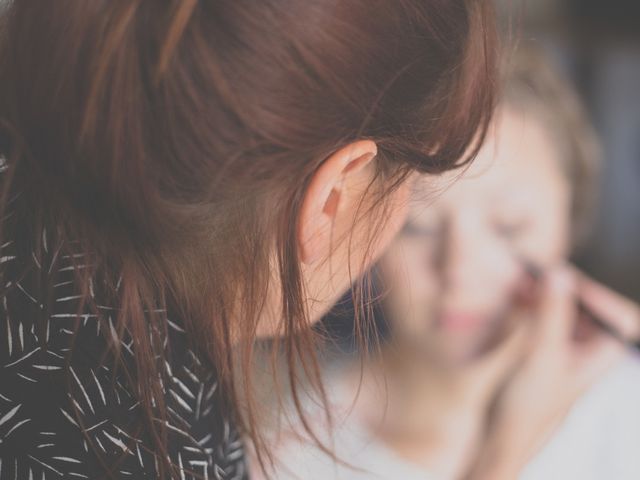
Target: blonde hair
531,83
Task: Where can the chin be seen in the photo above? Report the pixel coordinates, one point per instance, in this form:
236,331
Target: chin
459,356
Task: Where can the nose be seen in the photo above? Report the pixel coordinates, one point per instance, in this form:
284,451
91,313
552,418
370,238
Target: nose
471,260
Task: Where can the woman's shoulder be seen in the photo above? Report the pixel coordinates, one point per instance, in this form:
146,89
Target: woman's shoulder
359,455
615,398
600,435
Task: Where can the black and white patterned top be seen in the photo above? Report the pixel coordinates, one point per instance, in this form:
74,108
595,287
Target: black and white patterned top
58,405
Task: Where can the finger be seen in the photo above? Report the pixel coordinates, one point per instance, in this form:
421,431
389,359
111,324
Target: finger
527,289
497,365
556,310
609,306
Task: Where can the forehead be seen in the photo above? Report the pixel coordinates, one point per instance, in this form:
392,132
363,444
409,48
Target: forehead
518,157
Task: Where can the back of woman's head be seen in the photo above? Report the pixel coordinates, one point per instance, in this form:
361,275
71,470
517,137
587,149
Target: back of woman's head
173,140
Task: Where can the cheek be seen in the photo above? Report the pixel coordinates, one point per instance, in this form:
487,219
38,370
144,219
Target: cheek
410,286
407,268
396,210
549,240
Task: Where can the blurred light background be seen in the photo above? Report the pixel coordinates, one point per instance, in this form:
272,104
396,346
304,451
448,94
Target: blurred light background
597,45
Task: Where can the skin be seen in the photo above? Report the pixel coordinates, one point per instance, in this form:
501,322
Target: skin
460,324
335,222
512,201
334,230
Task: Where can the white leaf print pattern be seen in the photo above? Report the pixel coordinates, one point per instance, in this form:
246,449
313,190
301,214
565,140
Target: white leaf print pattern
46,409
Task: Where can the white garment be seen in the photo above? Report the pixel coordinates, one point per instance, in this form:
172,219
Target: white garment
353,445
598,440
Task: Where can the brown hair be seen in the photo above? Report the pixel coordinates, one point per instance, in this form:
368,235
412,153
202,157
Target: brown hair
172,141
532,84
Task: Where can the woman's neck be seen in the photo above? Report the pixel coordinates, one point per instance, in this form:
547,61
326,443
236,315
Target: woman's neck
430,415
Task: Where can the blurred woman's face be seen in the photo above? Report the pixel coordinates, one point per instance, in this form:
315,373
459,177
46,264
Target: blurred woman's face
452,272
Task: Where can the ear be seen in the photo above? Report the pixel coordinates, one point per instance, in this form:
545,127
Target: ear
325,196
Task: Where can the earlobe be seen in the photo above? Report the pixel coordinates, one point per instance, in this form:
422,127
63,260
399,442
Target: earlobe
321,203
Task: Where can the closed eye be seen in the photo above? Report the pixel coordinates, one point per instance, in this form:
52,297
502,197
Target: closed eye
413,230
510,229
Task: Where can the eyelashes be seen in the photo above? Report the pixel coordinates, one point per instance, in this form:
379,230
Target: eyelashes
411,230
511,229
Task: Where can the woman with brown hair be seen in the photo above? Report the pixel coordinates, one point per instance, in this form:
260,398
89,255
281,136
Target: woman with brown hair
181,177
